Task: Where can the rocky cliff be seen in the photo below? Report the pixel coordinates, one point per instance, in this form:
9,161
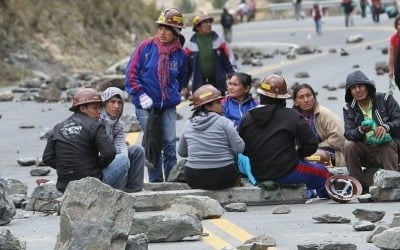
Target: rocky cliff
57,36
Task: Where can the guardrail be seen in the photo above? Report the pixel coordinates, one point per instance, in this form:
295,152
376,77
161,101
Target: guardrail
286,10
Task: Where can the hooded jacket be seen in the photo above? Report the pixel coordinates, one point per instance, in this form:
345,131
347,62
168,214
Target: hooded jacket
385,110
271,134
114,127
234,110
209,141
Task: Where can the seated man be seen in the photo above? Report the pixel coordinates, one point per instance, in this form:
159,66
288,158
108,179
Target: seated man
271,131
372,123
79,146
129,158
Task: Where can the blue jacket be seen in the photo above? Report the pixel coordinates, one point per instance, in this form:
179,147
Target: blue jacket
223,59
141,75
234,111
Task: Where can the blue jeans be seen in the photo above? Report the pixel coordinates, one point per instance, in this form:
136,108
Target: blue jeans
318,26
136,170
116,172
314,175
168,139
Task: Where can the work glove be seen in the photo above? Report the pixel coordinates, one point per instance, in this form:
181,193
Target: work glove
145,101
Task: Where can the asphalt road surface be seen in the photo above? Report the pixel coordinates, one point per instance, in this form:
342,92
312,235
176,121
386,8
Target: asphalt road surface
289,230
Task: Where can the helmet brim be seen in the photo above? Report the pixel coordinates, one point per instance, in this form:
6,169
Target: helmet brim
264,93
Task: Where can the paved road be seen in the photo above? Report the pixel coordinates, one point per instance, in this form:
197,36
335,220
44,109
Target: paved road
233,228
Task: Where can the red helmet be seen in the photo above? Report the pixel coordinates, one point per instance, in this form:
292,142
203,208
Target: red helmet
199,18
205,94
274,86
343,188
85,96
171,17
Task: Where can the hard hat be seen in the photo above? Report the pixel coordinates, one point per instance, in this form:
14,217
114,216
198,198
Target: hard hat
343,188
199,18
85,96
171,17
274,86
205,94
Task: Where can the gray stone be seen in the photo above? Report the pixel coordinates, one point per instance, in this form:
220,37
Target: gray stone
94,216
365,198
236,207
209,208
264,239
51,94
26,126
369,215
18,200
7,208
118,67
26,161
327,246
330,218
387,194
357,38
184,208
40,171
382,66
378,229
388,239
165,226
165,186
302,75
363,225
305,50
6,96
104,82
9,242
14,186
137,242
44,198
253,246
177,173
281,209
395,221
343,52
338,170
387,179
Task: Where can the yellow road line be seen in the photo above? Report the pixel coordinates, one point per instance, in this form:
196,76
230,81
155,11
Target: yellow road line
232,229
214,241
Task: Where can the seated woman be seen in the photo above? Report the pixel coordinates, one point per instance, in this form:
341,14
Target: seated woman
327,126
210,142
238,100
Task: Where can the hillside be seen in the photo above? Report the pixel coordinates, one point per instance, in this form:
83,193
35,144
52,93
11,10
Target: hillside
55,36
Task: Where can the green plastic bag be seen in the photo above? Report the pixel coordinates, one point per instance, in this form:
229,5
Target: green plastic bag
370,137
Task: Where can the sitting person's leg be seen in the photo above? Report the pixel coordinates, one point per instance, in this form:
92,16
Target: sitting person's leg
116,172
136,169
314,175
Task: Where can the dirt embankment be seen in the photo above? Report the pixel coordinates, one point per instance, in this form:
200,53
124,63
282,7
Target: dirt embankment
55,36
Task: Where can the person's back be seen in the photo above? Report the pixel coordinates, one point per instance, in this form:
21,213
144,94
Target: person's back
273,130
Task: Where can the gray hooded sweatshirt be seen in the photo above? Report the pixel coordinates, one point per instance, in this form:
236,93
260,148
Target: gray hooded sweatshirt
209,141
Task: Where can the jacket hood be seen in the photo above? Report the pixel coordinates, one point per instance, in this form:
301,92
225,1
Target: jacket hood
107,95
358,77
203,120
262,114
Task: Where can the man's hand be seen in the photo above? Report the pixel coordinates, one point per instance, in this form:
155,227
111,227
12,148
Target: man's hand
380,132
185,93
366,129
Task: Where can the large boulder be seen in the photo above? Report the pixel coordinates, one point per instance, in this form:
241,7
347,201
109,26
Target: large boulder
7,208
94,216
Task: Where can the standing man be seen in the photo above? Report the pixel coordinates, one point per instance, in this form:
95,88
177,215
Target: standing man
131,158
372,128
297,10
227,21
155,77
278,138
210,59
79,146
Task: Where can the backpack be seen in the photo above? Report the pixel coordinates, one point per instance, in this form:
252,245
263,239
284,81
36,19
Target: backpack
227,20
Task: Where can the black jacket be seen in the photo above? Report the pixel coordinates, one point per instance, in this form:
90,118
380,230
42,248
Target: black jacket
271,134
385,110
78,147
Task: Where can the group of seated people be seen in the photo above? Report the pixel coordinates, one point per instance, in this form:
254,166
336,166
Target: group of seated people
266,140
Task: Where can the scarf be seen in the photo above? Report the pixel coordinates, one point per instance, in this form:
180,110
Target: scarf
164,51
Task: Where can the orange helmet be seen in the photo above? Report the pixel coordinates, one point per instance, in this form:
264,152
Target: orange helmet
171,17
84,96
199,18
343,188
274,86
205,94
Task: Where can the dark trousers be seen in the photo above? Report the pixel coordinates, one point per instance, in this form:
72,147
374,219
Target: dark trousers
212,178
